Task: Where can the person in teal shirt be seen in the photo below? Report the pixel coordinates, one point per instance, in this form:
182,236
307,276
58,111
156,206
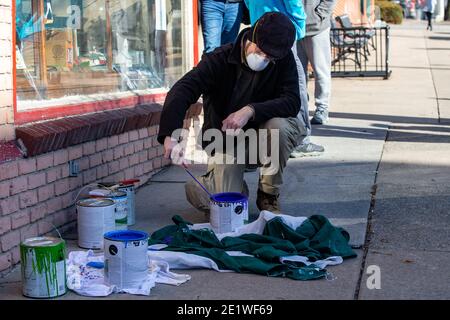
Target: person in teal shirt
294,9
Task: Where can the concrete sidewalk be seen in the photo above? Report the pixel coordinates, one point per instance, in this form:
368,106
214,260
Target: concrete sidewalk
386,170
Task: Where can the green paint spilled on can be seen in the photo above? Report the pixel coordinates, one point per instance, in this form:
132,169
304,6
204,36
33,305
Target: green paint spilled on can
43,267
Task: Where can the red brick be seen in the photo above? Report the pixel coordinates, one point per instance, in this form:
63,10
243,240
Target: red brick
44,161
134,135
64,171
29,231
152,153
143,156
118,152
5,261
8,170
54,204
134,159
119,176
61,157
102,171
157,163
129,149
152,131
54,174
75,182
123,163
160,151
148,166
89,176
45,225
84,163
46,192
27,166
36,180
10,240
20,219
60,218
28,199
139,170
68,199
75,152
139,145
124,138
4,189
9,205
113,167
89,148
38,212
155,142
113,141
101,144
5,224
15,255
129,173
148,142
95,160
107,156
143,133
18,185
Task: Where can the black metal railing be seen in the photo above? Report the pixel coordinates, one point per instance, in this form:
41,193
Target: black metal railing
360,52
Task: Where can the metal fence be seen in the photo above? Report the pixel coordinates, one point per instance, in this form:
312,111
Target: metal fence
360,52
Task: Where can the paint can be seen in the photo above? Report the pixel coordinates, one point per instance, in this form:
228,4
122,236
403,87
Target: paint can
126,261
228,211
43,267
96,216
121,209
129,190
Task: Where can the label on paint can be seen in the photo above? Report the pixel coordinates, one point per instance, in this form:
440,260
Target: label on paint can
43,267
121,209
126,261
129,189
228,211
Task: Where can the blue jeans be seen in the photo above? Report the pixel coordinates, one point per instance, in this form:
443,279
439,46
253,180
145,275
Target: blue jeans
220,22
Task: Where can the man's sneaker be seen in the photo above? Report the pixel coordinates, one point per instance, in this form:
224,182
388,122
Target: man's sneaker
320,117
307,150
269,202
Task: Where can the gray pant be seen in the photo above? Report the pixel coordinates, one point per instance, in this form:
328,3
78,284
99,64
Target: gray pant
303,115
230,177
316,49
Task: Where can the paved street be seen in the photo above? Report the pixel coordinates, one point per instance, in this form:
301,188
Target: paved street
385,177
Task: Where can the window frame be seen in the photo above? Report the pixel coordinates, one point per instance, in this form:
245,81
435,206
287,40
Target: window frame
52,112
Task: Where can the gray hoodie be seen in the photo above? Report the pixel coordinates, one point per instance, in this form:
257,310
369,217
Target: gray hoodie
318,13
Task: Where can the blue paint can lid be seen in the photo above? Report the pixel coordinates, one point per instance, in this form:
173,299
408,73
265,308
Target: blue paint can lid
126,235
229,197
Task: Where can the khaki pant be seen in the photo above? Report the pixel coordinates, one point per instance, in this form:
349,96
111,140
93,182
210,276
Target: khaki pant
230,177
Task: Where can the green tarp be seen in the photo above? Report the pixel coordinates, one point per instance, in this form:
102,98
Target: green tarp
316,238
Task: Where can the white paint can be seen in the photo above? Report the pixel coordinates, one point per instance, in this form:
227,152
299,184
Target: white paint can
126,261
129,190
121,211
96,216
43,267
228,211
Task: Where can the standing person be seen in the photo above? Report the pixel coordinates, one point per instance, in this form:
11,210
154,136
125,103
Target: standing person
251,84
295,11
221,20
430,5
315,48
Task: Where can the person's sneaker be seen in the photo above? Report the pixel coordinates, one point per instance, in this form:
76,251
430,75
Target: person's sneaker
269,202
320,117
307,150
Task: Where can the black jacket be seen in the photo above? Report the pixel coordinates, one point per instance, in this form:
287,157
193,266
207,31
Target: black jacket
273,92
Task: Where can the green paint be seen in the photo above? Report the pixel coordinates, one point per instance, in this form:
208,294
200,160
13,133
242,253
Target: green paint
44,262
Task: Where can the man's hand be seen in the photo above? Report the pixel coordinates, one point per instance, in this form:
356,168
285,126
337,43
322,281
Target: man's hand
174,150
237,120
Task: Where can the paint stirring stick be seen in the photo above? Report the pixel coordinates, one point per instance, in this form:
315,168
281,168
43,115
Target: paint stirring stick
185,168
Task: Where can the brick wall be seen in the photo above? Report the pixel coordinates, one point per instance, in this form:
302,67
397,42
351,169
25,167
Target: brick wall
6,83
37,192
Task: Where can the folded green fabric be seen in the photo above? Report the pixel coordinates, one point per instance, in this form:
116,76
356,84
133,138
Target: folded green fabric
316,238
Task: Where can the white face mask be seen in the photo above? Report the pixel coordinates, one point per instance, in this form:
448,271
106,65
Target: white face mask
256,62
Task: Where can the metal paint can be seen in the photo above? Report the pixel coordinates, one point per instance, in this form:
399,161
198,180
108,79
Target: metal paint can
126,261
96,216
229,211
43,267
121,211
129,190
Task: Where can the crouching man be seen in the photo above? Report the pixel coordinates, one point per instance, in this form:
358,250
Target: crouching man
251,85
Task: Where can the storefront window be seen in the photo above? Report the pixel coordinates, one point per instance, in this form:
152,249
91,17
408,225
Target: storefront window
70,50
